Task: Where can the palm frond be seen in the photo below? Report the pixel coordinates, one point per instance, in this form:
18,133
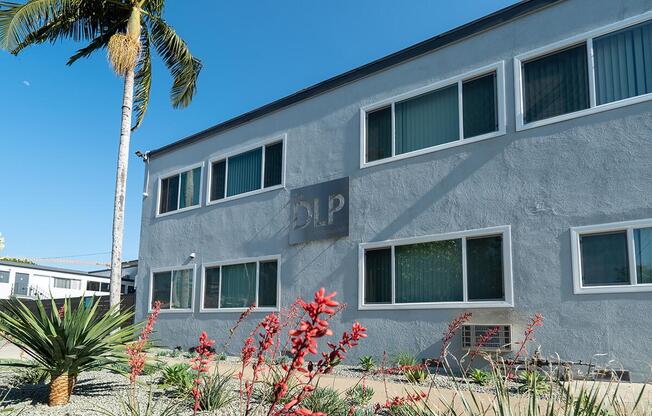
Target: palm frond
99,42
177,57
142,80
17,21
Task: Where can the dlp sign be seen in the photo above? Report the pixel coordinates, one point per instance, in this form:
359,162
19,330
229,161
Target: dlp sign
320,211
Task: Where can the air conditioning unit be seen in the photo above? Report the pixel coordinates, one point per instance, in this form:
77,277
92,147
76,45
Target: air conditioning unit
500,341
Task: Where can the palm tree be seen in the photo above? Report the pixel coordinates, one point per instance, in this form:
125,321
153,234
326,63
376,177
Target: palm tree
126,28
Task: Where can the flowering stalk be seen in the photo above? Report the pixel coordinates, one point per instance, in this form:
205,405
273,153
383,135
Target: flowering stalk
200,365
135,350
482,341
528,335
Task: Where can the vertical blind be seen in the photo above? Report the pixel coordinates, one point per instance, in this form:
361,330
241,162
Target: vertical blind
218,176
429,272
643,247
479,106
244,172
378,276
379,134
169,194
211,287
623,63
267,280
484,268
273,164
182,289
427,120
556,84
161,289
190,187
238,285
604,259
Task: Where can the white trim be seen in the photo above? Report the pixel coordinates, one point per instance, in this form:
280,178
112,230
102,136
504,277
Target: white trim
629,227
172,173
243,149
257,260
504,231
586,38
498,68
192,267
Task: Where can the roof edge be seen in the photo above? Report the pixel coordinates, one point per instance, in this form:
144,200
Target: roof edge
457,34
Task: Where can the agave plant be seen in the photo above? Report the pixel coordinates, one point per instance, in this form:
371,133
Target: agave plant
67,341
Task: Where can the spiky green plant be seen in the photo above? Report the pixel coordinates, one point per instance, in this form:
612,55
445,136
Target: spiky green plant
359,395
327,401
177,376
67,341
367,362
128,406
215,392
403,359
480,377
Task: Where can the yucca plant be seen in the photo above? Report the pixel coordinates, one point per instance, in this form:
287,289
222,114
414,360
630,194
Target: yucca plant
67,341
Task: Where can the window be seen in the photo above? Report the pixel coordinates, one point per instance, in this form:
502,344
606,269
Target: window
4,276
606,68
173,288
131,289
237,286
180,191
105,287
93,286
439,116
61,283
466,269
613,257
247,172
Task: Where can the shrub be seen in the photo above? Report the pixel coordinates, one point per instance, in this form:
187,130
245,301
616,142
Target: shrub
480,377
533,381
66,341
177,376
359,395
264,390
215,392
367,363
30,375
327,401
403,359
415,374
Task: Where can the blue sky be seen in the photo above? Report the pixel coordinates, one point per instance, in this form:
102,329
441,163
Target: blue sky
59,136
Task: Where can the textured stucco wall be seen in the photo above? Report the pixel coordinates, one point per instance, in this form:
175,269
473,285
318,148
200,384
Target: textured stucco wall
542,181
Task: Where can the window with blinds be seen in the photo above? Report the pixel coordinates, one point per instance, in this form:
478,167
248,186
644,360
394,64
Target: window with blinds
180,191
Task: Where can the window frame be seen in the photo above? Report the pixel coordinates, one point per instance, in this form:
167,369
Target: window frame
629,227
559,46
237,151
8,276
173,269
53,279
508,284
178,172
257,260
498,68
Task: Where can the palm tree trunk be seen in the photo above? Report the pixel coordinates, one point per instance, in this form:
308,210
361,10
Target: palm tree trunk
121,188
59,390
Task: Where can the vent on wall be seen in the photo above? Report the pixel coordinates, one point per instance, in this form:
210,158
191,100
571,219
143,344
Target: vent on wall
500,341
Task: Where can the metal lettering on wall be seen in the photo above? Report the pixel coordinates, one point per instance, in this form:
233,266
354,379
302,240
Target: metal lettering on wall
320,211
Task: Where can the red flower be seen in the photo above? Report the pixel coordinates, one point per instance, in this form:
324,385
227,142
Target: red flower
199,363
135,349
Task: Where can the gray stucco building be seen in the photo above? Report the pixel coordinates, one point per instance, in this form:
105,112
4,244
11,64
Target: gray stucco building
502,168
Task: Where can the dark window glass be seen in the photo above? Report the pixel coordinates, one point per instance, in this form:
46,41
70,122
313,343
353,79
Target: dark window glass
643,247
238,285
273,164
484,268
267,281
105,287
556,84
131,289
429,272
212,287
480,105
190,187
623,63
379,134
427,120
169,194
4,276
604,259
93,286
244,172
218,177
162,282
378,276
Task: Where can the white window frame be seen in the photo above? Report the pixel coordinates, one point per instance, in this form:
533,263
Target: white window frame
55,278
8,276
586,38
628,226
257,260
504,231
235,152
193,268
498,68
175,172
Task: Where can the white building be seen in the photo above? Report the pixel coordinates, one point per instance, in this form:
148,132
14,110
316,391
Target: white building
31,281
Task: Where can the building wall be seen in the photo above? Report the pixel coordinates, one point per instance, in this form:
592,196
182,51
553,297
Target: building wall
542,181
41,282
